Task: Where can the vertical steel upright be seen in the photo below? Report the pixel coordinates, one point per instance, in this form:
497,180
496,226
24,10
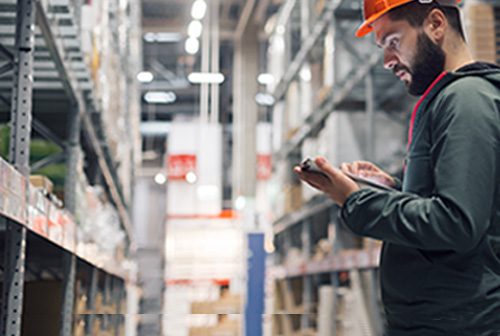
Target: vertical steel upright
93,288
118,294
69,259
15,253
69,269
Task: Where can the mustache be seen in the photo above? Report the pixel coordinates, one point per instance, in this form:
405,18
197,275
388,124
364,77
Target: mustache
399,68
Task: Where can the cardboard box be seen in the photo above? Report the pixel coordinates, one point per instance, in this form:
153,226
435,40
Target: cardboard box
203,307
293,198
81,305
226,327
200,331
79,329
42,182
228,304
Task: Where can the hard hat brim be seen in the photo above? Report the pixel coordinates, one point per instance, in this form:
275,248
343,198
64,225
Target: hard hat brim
366,27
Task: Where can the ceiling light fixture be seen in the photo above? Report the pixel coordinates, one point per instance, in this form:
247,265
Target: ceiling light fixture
162,37
195,28
199,9
264,99
145,77
192,45
159,97
205,78
265,79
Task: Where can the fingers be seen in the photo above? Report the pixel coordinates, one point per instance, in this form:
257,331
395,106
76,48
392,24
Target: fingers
334,183
345,167
316,180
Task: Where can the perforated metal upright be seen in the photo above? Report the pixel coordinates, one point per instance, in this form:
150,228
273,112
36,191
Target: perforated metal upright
69,269
93,288
69,259
21,103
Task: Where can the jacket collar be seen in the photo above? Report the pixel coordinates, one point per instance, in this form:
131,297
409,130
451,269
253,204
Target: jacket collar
440,82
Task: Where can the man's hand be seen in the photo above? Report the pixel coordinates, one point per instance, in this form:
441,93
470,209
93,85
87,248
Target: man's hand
369,171
337,186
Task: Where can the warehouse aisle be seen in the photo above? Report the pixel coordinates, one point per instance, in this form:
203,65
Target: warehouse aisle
146,165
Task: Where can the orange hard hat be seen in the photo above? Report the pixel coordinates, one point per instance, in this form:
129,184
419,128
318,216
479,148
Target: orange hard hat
374,9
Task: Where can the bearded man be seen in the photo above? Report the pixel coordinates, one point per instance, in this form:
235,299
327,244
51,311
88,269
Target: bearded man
440,261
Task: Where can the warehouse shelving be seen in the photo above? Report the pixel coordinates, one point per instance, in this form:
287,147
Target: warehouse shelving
302,229
42,255
354,260
349,264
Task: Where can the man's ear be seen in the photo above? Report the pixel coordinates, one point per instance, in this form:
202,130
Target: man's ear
435,25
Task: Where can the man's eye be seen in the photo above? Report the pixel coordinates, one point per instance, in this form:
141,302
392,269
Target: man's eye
393,43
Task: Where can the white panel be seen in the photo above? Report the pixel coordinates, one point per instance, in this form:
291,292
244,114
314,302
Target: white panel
203,249
181,198
177,307
264,138
183,138
209,186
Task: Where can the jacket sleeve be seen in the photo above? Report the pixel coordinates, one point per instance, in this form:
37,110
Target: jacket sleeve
463,157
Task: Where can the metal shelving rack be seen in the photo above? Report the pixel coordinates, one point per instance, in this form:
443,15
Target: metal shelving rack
44,79
360,85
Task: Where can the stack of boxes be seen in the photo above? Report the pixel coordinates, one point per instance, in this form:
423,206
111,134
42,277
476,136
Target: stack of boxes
222,315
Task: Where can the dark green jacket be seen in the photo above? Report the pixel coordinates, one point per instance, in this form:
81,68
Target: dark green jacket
440,262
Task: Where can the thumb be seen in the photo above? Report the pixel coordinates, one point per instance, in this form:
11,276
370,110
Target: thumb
326,167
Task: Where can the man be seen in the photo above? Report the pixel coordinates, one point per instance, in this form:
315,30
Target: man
440,262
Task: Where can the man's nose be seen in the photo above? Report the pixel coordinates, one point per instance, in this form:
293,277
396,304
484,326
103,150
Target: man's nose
390,60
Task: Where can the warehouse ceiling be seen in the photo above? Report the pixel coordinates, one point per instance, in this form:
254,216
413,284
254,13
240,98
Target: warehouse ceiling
170,64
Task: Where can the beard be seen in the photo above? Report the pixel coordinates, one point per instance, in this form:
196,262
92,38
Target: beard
427,65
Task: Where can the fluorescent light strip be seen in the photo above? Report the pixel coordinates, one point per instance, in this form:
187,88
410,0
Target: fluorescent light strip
158,97
199,9
195,28
192,45
205,78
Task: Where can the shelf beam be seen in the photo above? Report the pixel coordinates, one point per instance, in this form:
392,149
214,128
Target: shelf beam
47,161
6,68
47,133
5,101
4,51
